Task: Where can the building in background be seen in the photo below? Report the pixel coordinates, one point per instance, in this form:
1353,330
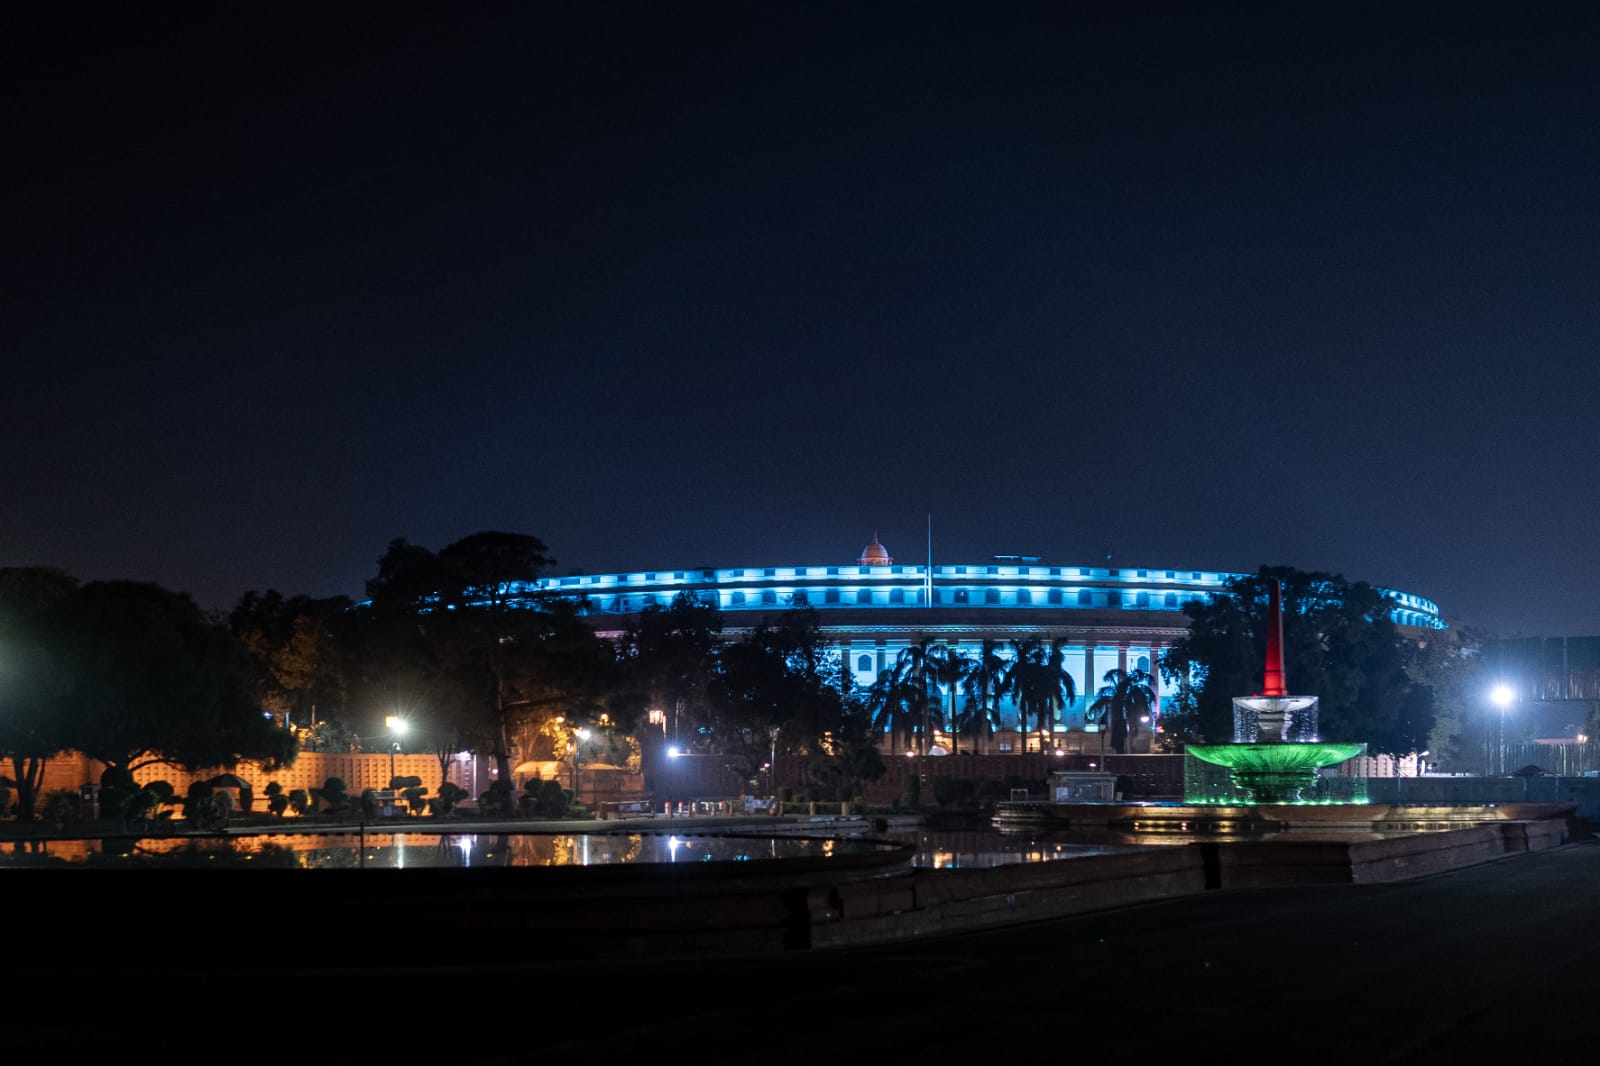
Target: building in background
873,609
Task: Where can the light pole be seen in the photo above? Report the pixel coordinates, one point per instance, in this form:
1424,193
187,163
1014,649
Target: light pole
579,736
1502,696
772,766
397,729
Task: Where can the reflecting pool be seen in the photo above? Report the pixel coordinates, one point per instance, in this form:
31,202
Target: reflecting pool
397,851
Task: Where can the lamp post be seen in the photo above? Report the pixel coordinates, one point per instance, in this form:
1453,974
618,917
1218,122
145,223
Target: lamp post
772,765
579,736
1502,696
397,727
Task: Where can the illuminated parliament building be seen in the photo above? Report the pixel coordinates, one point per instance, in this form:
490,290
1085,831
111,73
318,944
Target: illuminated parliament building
872,609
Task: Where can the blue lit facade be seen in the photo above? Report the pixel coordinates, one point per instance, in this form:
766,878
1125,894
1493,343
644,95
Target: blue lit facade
1109,618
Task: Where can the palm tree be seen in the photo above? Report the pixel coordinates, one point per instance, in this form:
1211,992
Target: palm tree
985,687
1039,682
889,705
950,666
916,674
1124,699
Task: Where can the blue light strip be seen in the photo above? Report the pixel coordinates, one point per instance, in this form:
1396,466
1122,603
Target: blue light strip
856,587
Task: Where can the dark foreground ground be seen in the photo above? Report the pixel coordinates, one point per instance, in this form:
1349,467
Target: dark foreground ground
1494,962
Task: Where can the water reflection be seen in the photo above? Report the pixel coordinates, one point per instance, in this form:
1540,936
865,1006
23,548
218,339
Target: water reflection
313,851
981,848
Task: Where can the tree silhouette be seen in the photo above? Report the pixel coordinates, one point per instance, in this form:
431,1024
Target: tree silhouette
1122,700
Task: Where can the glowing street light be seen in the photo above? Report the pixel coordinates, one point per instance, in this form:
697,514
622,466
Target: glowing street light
397,729
1503,698
579,736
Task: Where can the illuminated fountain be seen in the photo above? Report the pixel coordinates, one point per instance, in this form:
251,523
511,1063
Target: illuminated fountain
1276,753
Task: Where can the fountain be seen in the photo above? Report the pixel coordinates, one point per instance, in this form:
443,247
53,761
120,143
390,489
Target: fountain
1276,753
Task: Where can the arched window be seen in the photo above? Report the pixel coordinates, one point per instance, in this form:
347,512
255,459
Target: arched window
1024,596
864,664
864,596
1085,598
1171,600
736,599
991,595
897,595
1055,596
769,596
831,596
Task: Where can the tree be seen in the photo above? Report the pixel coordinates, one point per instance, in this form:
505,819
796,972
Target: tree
557,667
889,705
672,651
1339,645
671,654
295,652
950,667
776,690
1039,683
985,686
917,670
456,611
847,758
147,677
1450,665
30,732
1125,696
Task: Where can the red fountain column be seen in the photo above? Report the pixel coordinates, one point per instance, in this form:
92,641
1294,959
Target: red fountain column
1273,683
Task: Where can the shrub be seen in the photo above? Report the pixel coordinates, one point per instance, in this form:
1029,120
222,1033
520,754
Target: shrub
60,807
910,793
497,798
207,809
546,799
955,792
336,794
117,788
449,795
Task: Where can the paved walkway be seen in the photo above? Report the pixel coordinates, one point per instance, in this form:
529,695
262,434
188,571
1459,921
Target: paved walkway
1495,961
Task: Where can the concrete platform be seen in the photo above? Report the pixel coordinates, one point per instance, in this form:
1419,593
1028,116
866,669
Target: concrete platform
1171,954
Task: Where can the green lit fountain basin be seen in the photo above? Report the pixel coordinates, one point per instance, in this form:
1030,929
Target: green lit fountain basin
1276,772
1285,757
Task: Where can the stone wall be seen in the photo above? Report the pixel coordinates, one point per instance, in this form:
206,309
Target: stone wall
1157,778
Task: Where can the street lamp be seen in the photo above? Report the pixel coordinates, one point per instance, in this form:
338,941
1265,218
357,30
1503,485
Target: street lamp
772,765
397,728
579,736
1503,697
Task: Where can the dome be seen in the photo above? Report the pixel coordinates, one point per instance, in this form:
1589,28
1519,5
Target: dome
874,554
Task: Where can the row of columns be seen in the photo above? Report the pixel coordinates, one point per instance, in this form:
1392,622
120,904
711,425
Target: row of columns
885,651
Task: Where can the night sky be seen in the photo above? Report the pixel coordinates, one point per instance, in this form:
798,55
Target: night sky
666,285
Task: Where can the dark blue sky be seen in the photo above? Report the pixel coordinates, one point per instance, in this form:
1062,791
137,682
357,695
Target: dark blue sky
666,285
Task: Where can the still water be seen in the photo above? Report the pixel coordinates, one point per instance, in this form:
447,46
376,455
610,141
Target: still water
932,849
